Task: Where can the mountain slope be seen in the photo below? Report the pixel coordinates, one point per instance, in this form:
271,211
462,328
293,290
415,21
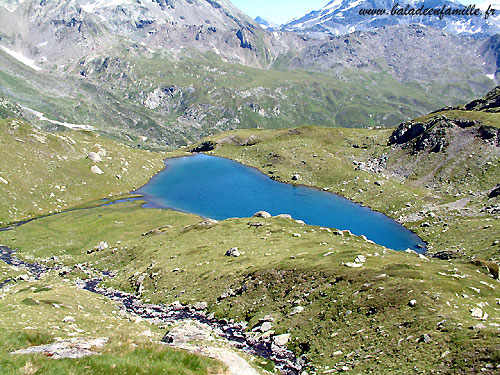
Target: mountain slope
61,172
62,32
135,97
459,58
440,313
340,17
139,72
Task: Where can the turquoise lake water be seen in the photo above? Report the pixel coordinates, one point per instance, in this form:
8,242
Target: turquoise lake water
219,188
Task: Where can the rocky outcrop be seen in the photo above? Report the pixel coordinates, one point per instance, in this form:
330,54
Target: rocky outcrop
495,192
446,254
71,348
238,141
489,103
431,135
434,134
168,98
204,146
406,132
490,134
244,35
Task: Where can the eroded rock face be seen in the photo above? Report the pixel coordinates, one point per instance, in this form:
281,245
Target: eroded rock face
431,135
434,140
406,132
243,35
434,135
490,134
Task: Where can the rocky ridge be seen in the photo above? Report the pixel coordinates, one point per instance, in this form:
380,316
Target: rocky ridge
340,17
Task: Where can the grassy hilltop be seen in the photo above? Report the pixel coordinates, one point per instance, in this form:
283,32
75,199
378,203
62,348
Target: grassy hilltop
47,172
436,175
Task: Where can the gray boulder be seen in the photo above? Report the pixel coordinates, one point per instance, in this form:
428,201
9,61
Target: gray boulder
233,252
94,156
281,340
263,214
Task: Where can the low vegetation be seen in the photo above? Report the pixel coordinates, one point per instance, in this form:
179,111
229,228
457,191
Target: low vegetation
42,173
396,312
42,312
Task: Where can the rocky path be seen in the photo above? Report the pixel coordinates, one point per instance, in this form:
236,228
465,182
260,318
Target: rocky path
235,364
231,332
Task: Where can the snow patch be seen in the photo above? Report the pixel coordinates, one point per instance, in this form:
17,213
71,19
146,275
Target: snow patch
91,7
352,5
491,76
41,117
12,7
21,58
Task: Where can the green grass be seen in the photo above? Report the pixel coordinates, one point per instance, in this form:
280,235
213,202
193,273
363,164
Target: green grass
354,317
50,172
33,313
216,96
120,358
358,311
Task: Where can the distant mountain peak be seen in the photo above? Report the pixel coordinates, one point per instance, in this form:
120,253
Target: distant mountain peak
341,17
265,23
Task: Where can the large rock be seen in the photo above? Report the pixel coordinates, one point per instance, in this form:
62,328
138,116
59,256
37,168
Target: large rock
233,252
281,340
266,326
476,312
96,170
72,348
494,193
263,214
94,156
